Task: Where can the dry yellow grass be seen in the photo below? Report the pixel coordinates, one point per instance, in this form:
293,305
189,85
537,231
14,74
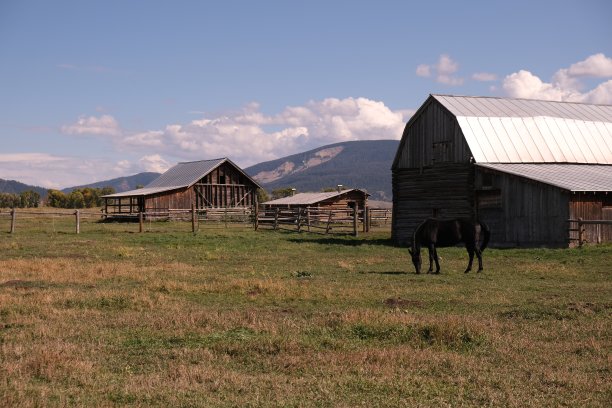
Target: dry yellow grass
238,318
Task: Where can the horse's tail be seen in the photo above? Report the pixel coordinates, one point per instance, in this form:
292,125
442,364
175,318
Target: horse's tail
487,235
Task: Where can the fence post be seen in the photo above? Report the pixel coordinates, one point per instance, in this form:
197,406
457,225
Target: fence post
355,218
329,220
598,233
256,216
13,217
193,218
299,219
580,232
140,221
365,219
77,217
276,218
308,218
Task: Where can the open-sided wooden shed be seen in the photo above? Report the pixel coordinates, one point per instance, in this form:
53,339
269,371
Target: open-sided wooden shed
525,167
217,183
333,200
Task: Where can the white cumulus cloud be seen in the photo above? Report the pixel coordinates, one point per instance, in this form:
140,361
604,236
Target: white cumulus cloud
249,136
443,70
105,125
484,76
566,84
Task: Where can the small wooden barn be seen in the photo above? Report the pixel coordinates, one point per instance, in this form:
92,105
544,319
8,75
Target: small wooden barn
525,167
217,183
333,200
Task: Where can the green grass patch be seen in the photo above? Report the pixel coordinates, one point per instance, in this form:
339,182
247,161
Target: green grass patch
234,317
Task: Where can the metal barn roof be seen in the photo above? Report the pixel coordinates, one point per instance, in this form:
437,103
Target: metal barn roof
571,177
185,174
182,175
503,130
310,198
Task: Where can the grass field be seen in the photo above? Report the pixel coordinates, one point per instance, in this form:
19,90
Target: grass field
234,317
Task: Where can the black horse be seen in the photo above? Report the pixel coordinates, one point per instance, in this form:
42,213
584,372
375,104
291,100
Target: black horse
433,233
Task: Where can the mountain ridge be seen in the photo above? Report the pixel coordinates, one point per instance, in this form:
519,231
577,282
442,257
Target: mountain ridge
362,164
17,187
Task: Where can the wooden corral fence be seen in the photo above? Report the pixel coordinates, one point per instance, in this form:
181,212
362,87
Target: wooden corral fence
78,215
322,221
211,217
379,216
599,231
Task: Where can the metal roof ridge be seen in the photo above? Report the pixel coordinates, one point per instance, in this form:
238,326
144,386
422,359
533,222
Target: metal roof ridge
204,160
516,99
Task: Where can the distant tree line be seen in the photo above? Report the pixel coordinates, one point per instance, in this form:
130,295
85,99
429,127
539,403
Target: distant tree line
79,198
25,199
282,192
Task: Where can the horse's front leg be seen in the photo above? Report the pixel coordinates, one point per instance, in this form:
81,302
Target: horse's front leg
431,250
471,254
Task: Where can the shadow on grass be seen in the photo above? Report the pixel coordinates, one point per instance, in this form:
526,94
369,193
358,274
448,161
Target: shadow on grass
388,273
348,241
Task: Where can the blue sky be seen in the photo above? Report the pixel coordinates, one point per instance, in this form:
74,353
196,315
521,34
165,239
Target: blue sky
91,90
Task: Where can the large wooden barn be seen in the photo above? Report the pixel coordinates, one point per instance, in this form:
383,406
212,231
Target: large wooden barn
217,183
525,167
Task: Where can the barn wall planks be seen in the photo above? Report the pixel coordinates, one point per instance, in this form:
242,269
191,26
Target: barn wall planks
593,206
526,213
433,137
443,191
173,199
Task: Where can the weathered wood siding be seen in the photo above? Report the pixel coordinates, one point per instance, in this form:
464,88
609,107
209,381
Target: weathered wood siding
592,206
521,212
178,199
433,137
225,187
444,190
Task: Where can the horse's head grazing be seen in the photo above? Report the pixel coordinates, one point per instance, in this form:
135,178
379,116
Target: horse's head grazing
416,258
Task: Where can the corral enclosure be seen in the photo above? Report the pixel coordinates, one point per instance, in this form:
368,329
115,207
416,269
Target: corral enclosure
237,317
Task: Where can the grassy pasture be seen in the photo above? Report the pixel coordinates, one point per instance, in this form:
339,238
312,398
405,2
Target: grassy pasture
233,317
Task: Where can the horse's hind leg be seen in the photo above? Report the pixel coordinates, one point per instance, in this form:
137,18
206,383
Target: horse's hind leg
431,249
436,259
471,254
479,256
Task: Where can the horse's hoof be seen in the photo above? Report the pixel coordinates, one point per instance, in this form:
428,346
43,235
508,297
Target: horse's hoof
467,271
